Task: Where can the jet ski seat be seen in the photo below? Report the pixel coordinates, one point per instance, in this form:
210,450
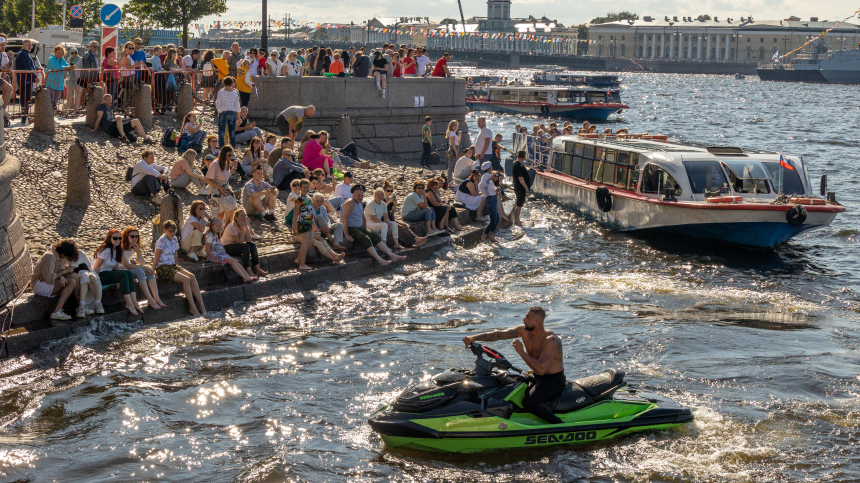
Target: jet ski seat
588,390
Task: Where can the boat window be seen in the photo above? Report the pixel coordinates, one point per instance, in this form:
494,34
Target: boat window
608,173
568,147
621,176
596,170
557,162
706,176
600,153
634,159
542,96
790,179
634,178
567,164
623,158
577,160
610,155
656,180
747,169
587,164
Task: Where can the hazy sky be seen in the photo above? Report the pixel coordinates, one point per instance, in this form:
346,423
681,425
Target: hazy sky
567,12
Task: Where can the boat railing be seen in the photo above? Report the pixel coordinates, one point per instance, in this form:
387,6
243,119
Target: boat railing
536,148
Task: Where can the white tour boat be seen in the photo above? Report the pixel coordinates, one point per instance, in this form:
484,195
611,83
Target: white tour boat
572,101
648,183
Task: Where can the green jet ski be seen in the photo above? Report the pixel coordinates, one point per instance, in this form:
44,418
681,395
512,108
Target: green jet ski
462,411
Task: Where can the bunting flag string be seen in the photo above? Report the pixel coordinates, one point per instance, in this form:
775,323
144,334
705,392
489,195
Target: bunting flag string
777,58
437,33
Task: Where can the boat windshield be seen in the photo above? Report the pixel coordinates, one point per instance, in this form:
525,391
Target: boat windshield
747,169
748,176
790,178
706,176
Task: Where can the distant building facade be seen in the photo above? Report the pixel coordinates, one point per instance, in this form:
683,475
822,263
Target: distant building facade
716,39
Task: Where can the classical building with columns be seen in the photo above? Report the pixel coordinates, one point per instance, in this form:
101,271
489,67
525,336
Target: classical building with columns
718,39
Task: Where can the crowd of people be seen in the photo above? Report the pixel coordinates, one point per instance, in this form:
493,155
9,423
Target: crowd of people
120,70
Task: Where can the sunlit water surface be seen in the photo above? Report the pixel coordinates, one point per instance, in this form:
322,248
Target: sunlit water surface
763,345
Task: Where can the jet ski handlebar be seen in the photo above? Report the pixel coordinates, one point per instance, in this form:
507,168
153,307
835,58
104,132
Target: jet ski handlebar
484,367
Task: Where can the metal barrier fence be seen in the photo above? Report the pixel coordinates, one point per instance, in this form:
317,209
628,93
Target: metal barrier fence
69,90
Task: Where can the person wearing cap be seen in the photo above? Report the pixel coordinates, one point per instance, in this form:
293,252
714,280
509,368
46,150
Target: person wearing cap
470,196
259,197
357,232
287,169
416,208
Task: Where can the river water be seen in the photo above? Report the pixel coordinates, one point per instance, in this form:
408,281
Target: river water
763,345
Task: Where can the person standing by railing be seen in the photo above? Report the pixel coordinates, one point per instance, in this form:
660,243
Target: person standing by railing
57,67
5,67
25,79
74,89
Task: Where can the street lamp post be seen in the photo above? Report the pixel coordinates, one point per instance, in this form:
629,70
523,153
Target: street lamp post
264,39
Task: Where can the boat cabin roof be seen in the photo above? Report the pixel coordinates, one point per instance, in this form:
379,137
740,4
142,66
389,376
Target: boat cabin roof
548,88
673,146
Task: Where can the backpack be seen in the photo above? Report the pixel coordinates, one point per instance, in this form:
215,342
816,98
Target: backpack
170,138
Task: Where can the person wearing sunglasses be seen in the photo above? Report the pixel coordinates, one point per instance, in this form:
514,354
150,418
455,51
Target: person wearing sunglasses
134,261
108,264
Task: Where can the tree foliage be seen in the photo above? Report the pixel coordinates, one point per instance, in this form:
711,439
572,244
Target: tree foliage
449,20
614,17
176,13
582,34
15,15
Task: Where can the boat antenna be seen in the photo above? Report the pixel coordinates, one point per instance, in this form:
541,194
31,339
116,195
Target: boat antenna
462,19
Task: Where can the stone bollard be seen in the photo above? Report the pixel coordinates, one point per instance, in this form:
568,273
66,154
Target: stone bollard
344,131
77,179
43,112
184,101
95,97
143,105
171,209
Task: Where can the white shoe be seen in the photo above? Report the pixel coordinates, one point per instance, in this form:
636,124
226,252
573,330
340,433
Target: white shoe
89,310
81,312
378,86
156,199
383,94
60,315
100,309
193,256
435,232
201,253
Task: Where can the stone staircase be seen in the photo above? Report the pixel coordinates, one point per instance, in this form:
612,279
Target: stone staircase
220,288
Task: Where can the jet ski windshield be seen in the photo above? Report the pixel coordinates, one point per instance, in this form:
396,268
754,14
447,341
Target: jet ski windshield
497,360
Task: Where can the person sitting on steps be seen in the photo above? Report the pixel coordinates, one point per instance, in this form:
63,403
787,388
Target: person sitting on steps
54,276
148,178
357,231
166,266
108,263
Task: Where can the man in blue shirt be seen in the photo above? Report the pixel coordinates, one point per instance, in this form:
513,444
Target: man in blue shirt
139,58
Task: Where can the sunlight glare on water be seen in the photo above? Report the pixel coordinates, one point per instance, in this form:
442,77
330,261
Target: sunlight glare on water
763,346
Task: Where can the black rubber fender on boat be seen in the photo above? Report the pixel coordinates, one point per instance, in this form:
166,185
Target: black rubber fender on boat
544,109
796,215
604,199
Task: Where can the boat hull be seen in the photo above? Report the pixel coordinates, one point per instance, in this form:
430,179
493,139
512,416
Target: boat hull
585,112
791,75
753,225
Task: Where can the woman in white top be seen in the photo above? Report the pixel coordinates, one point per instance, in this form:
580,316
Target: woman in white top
107,257
221,200
127,73
292,67
376,213
453,152
134,261
253,157
191,236
209,77
273,65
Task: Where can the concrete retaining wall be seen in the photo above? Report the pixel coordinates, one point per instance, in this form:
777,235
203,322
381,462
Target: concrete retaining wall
381,126
15,264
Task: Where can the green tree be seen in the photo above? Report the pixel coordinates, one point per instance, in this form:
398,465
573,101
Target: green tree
449,20
704,17
176,13
582,34
15,15
614,17
320,34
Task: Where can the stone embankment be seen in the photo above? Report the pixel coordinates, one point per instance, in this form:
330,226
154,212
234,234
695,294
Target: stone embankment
382,128
46,216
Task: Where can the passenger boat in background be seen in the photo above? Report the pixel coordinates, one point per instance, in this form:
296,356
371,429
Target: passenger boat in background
647,183
549,68
575,101
576,79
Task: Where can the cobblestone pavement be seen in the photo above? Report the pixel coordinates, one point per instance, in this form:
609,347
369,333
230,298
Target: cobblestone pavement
40,190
